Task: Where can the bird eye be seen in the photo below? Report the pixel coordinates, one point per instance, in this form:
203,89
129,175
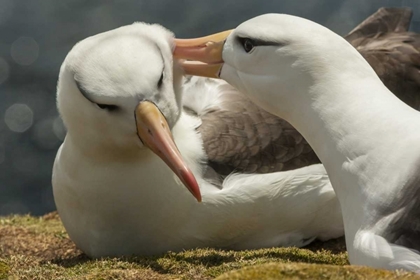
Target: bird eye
107,107
248,45
160,82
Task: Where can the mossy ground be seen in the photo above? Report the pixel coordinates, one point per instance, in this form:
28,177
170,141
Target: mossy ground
39,248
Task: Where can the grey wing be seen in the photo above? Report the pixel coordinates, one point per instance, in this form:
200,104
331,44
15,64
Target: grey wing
392,52
238,136
395,57
385,20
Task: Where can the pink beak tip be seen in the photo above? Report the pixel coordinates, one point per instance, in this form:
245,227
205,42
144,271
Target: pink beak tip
191,183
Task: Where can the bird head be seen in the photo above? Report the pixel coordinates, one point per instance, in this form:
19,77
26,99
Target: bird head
120,91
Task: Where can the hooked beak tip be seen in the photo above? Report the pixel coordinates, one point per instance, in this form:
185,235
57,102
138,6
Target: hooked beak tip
191,183
154,132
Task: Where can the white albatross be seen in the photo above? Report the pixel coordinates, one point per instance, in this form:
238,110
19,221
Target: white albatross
116,196
367,139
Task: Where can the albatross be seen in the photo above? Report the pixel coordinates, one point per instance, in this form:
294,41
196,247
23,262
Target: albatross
367,138
139,141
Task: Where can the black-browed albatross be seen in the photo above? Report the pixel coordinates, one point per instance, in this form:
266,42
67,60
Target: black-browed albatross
367,138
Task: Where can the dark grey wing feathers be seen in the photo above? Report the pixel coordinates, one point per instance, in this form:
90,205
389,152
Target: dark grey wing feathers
392,52
385,20
238,136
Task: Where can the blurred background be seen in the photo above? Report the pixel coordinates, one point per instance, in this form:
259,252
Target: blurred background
36,35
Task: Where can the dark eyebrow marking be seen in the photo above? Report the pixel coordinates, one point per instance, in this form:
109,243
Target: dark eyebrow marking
260,42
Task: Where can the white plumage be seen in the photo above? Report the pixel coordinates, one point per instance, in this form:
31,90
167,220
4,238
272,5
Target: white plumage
367,139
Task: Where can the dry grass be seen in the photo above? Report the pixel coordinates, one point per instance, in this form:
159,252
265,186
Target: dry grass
39,248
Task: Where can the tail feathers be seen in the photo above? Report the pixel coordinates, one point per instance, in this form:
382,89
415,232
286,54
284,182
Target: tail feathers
373,250
305,194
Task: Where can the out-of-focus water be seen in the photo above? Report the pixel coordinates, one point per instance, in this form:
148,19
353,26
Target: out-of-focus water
36,35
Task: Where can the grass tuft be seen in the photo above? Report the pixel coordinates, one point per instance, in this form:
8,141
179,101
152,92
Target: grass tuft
39,248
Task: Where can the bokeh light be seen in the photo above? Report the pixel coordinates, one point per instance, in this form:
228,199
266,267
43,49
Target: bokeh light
24,51
19,117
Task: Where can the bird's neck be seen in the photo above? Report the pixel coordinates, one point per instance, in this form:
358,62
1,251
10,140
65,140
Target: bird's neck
101,153
356,129
124,175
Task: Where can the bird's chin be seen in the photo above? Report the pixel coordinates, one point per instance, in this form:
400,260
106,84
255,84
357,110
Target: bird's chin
230,75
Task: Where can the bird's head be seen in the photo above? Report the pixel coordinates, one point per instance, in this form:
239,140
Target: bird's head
119,92
275,59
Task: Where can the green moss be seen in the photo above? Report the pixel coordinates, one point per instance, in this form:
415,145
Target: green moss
311,271
4,270
39,248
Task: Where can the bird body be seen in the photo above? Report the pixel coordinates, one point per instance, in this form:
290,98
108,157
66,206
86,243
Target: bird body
364,135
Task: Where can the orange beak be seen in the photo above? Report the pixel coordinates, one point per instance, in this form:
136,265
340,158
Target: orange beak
203,56
154,132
